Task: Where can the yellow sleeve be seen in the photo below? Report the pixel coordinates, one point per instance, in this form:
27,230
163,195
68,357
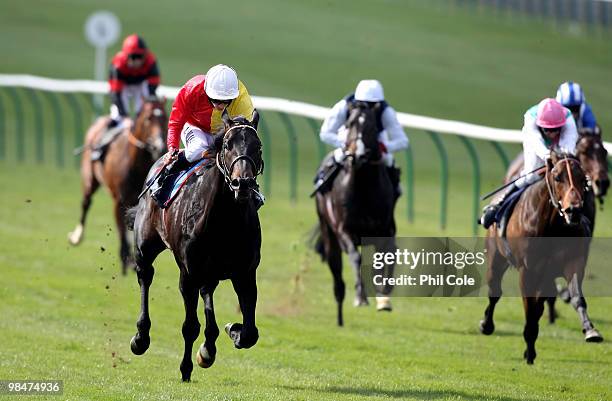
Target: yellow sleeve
242,105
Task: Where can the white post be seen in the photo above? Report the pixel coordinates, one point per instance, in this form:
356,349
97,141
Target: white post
102,29
99,75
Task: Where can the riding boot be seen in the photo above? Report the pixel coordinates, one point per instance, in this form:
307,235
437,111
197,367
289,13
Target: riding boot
326,175
490,211
394,176
159,187
99,150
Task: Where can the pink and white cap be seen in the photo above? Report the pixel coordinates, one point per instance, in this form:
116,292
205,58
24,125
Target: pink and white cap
551,114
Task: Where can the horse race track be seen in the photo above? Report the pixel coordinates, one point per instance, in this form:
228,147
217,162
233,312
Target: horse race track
68,314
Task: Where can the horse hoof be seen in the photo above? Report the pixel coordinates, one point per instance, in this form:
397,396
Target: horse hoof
204,361
593,336
74,237
139,345
486,329
358,302
528,358
383,304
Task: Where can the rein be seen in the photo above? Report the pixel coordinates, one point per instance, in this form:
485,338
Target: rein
554,199
222,165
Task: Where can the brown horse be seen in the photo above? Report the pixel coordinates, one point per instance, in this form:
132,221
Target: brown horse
128,160
360,204
551,207
213,230
593,157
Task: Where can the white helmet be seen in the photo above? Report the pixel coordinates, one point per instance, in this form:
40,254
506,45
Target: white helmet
369,90
221,83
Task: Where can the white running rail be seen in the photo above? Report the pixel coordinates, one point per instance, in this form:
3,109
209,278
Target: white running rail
282,105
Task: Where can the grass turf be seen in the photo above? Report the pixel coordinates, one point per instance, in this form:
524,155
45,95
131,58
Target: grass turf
68,314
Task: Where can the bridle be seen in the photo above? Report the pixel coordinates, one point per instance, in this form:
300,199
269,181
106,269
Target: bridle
227,171
556,200
359,139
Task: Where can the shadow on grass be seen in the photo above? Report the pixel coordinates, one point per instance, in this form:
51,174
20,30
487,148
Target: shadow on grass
408,393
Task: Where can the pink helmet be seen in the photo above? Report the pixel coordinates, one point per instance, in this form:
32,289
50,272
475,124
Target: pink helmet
551,114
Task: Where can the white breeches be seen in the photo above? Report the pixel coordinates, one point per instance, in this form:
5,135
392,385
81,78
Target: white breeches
386,157
196,141
531,162
131,92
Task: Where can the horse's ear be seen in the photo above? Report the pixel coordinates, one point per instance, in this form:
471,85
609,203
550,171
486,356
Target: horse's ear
226,118
255,118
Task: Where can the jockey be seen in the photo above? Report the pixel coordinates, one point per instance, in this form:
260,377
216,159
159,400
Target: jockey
548,126
133,74
197,115
570,95
333,132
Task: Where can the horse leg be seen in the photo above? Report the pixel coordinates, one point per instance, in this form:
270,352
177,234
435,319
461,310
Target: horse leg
383,299
497,266
355,259
334,259
534,307
191,325
148,246
552,312
208,350
245,335
90,185
580,305
124,246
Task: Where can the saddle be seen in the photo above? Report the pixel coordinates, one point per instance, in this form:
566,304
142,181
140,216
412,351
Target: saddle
175,181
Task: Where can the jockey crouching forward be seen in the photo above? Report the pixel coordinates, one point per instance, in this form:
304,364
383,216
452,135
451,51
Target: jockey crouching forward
548,126
134,74
571,96
391,135
197,115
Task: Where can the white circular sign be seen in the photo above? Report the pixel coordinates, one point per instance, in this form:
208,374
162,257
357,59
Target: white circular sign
102,28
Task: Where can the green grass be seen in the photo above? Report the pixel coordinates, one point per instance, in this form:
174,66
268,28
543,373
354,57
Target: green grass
58,319
67,313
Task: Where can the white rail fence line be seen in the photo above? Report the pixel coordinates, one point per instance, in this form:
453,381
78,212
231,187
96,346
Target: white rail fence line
280,105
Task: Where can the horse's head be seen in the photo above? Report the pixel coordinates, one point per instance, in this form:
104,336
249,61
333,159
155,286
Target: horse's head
150,126
239,155
566,182
594,158
362,139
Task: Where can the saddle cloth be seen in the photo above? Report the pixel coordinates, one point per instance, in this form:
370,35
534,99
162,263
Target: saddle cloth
176,181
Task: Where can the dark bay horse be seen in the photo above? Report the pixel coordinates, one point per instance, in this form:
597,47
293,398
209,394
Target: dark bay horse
212,227
128,160
359,204
552,207
593,157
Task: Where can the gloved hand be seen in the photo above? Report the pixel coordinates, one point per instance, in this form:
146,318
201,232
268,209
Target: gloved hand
209,154
171,155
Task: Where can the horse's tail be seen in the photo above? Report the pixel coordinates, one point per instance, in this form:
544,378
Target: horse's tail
130,217
316,242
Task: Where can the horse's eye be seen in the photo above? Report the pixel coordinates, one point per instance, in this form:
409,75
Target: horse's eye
558,178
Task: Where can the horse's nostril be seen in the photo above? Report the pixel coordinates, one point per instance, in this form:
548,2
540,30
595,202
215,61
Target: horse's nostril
235,183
